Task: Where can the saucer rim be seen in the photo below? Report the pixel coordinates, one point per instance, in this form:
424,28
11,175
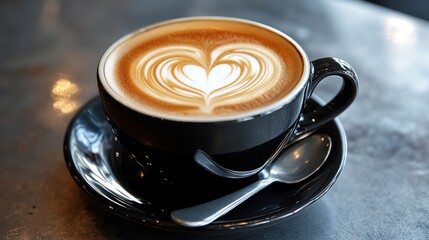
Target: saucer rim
213,227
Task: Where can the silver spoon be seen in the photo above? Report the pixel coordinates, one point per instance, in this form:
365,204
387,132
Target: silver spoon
293,165
205,161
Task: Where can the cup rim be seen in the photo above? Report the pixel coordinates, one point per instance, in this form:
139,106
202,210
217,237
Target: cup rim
242,116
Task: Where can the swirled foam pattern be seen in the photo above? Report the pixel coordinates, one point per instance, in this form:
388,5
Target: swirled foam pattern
189,76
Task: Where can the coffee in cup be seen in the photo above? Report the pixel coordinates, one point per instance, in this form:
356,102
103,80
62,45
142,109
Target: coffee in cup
204,70
230,87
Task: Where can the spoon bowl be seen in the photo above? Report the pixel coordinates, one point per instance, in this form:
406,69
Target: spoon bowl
293,165
301,160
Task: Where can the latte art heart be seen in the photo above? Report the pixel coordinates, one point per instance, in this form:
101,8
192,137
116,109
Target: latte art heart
204,80
217,77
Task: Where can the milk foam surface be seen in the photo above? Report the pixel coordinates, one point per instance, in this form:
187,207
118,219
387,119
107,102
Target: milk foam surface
204,68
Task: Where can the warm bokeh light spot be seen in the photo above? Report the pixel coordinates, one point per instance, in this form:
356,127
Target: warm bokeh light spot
64,88
65,105
63,91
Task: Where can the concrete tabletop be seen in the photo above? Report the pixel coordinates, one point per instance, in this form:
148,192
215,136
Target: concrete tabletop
46,46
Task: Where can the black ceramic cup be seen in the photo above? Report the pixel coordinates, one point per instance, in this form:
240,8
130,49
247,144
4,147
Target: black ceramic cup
165,146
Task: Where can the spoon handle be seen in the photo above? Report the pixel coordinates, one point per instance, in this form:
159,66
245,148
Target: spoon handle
206,162
203,214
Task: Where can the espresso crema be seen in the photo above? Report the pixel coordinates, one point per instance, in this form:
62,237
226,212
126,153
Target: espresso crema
203,68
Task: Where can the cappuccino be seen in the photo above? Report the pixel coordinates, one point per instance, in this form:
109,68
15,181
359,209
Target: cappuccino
203,68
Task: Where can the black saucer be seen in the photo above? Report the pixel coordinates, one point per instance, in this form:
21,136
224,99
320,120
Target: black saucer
113,179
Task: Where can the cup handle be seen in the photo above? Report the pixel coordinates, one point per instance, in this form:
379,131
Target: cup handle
320,69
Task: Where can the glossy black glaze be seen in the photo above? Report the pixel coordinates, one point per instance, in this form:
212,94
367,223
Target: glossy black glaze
113,178
320,69
212,137
232,136
241,144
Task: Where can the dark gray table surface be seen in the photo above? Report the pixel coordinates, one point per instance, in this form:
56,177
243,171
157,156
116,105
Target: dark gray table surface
383,192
